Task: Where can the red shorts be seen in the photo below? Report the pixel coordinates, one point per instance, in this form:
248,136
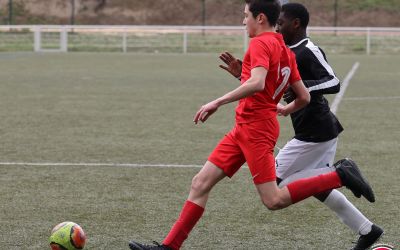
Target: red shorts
252,143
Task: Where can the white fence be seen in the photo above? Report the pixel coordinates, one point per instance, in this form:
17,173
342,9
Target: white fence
184,39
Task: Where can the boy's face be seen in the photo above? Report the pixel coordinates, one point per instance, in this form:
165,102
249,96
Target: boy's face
285,27
250,22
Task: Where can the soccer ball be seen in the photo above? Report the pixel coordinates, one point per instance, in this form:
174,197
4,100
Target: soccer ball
67,236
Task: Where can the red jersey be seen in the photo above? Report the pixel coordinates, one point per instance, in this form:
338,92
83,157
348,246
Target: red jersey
266,50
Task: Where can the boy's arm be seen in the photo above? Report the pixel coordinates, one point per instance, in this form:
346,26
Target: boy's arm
255,83
323,80
301,100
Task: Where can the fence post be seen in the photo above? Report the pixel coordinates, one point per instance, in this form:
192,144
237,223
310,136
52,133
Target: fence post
245,40
36,39
64,39
124,42
184,41
368,49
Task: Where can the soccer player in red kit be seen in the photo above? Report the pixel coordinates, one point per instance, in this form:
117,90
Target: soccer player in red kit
268,68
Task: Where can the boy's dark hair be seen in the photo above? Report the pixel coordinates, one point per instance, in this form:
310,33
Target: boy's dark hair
270,8
297,10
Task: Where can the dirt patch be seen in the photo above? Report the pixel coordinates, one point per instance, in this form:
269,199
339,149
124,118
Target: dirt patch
178,12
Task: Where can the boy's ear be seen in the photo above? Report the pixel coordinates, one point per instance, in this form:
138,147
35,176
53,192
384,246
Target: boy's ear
296,23
261,18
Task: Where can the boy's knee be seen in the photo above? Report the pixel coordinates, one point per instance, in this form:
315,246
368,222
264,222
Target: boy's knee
273,204
199,185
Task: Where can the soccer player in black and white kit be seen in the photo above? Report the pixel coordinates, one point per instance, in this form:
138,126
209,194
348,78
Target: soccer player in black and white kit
312,150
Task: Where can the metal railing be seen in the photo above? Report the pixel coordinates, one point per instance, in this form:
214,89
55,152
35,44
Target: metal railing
183,39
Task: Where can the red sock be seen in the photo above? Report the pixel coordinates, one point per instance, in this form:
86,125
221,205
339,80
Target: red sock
304,188
190,214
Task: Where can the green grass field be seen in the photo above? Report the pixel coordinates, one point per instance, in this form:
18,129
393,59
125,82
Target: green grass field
138,108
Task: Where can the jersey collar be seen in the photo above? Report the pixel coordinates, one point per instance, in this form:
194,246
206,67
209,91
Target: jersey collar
297,44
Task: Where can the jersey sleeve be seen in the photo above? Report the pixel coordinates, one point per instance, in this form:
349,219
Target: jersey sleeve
260,54
323,79
295,74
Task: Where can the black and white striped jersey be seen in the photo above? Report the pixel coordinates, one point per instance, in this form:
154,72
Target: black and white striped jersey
315,122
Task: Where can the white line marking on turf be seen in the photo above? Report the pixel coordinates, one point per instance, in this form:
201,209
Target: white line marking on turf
371,98
346,82
82,164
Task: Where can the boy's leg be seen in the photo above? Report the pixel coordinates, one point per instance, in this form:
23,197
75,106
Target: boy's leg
275,198
337,202
203,182
346,174
193,209
225,160
298,156
345,210
298,159
272,196
257,141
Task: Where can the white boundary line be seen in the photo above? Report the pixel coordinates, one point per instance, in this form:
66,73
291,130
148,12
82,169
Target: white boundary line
366,98
346,82
82,164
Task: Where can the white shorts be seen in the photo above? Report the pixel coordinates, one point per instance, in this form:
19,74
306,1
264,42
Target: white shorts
297,156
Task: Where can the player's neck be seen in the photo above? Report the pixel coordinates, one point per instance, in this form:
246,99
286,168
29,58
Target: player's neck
265,29
298,37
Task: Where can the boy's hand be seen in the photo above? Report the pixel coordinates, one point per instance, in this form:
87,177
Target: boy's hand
281,110
233,65
206,111
289,95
